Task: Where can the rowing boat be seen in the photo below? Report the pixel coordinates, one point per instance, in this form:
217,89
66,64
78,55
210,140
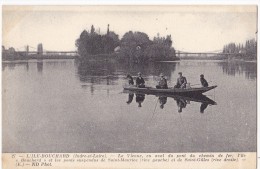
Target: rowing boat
172,91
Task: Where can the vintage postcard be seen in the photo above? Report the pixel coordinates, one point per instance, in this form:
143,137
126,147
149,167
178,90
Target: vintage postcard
129,86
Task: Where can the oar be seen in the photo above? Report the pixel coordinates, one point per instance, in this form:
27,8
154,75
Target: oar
156,105
199,84
195,84
150,119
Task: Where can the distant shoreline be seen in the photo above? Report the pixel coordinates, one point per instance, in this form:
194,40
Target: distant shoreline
113,57
37,57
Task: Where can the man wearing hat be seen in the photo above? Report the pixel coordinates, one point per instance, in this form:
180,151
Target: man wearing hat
181,81
140,81
203,81
162,84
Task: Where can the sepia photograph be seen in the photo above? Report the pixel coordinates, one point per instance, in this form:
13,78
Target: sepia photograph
129,79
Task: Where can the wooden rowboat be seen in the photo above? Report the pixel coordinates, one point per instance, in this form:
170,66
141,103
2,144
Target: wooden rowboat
172,91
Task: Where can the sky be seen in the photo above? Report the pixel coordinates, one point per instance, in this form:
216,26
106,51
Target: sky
193,28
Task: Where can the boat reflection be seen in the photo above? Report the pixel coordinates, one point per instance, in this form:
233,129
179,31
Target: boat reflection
130,98
139,98
162,101
181,101
203,107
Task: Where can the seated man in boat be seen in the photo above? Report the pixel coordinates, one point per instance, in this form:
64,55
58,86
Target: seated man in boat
181,81
203,81
130,79
140,81
162,84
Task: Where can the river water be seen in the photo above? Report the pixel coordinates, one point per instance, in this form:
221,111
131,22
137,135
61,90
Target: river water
68,106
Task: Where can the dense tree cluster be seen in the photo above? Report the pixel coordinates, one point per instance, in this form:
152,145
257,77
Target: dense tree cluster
92,43
249,50
161,48
134,46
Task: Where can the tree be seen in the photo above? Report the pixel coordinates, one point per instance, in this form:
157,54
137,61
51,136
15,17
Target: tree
133,45
248,51
93,43
92,30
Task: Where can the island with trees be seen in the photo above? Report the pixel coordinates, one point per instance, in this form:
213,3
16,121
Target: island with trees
133,47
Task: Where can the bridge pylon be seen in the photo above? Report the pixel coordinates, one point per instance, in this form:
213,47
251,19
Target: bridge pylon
40,49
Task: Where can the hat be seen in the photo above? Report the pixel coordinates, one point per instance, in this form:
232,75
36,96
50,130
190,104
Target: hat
201,75
180,73
161,74
139,73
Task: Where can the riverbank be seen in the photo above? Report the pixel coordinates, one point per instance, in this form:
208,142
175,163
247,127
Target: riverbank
98,57
241,60
117,57
224,59
205,58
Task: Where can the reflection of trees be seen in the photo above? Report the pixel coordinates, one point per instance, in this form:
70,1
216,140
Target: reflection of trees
11,65
105,72
96,72
6,65
166,68
149,68
233,68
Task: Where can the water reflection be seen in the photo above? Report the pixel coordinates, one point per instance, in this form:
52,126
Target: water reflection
40,66
203,107
130,98
96,72
233,68
162,101
181,101
12,65
139,98
148,69
108,72
86,118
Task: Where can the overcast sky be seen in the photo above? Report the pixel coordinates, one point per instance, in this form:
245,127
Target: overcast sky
193,29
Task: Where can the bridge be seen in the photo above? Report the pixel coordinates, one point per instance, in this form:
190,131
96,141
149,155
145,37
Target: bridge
183,54
40,51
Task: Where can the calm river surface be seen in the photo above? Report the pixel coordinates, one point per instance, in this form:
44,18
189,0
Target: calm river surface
66,106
